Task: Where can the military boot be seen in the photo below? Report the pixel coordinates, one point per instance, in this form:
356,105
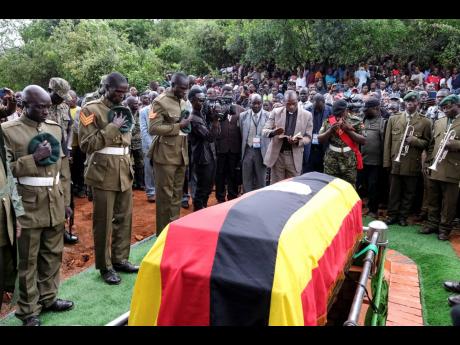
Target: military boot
443,235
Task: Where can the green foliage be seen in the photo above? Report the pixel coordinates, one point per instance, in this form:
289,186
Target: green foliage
144,49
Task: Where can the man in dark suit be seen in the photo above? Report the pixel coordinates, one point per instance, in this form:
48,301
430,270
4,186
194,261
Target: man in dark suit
228,149
313,154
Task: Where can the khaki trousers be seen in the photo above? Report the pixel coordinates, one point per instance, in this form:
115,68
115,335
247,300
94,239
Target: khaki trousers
40,258
442,204
284,167
169,180
112,220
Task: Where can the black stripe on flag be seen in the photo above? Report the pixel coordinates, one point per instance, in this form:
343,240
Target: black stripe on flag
244,264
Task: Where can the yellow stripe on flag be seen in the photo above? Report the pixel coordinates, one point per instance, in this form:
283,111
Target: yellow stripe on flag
303,241
146,300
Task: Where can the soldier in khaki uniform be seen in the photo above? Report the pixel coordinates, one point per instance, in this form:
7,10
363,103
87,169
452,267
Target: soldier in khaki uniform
34,152
110,175
443,182
403,175
10,208
169,150
59,112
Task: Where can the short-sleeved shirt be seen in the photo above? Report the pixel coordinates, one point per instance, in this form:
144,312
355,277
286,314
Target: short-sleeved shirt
334,139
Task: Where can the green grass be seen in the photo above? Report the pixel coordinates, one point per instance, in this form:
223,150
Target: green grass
96,303
436,261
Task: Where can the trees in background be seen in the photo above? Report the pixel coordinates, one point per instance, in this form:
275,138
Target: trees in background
81,51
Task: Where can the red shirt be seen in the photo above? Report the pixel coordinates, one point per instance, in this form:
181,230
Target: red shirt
434,79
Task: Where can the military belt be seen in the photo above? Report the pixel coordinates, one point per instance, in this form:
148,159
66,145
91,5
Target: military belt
339,149
120,151
37,181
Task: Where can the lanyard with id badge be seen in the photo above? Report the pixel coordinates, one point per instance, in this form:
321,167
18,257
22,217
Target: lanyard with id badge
256,139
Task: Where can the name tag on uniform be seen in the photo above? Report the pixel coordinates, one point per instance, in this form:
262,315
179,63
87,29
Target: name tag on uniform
256,142
315,139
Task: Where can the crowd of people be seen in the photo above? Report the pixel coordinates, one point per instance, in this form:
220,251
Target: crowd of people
388,129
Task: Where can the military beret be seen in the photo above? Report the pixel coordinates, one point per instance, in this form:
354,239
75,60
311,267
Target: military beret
451,99
371,102
117,110
55,148
411,95
339,106
61,87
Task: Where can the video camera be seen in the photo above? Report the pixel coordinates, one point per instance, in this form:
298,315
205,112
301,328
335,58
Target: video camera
217,106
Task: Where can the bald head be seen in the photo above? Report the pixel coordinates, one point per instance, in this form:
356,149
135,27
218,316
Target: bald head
132,103
36,102
290,100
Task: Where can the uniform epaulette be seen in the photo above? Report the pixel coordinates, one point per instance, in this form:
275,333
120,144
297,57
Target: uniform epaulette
13,123
92,102
51,122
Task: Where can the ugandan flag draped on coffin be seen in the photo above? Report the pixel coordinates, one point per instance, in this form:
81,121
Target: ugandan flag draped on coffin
270,257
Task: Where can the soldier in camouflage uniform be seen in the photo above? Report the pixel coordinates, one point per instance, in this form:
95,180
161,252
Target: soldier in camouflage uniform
340,160
136,144
59,112
96,94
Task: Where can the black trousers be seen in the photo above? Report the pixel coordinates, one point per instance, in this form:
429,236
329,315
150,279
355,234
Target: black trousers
138,158
402,195
77,168
370,178
315,161
226,176
204,177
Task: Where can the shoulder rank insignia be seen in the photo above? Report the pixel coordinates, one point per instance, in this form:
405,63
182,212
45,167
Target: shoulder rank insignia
86,119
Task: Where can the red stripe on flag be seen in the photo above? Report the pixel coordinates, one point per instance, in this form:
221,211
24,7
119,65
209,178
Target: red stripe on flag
186,266
315,295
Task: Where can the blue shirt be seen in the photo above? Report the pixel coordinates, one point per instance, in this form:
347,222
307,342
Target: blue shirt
144,123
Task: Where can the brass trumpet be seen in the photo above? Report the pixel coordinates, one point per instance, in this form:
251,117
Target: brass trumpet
442,152
404,148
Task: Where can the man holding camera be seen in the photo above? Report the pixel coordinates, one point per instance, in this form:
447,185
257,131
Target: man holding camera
169,150
203,152
228,149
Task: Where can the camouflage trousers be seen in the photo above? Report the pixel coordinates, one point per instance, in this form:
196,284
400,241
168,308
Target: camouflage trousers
341,165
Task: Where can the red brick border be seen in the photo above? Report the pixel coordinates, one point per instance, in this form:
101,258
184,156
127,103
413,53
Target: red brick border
404,307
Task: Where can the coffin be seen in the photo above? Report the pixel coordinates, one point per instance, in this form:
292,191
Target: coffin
274,256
